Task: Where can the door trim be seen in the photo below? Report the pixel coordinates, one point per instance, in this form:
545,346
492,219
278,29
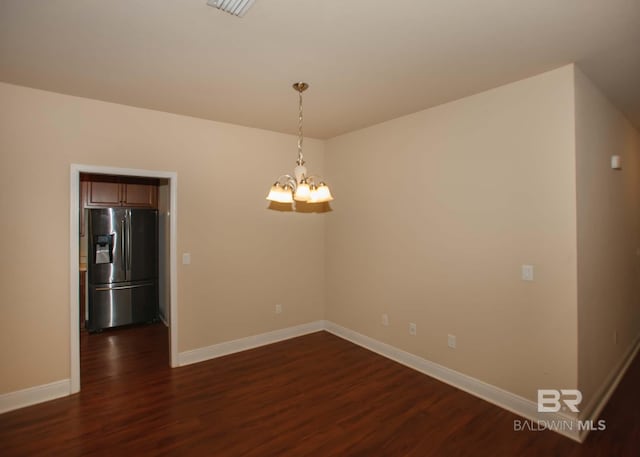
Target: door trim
74,267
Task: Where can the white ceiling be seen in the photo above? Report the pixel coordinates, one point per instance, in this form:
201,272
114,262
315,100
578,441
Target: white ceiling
367,61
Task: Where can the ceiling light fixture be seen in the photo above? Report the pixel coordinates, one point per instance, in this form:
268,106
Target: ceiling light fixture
300,187
235,7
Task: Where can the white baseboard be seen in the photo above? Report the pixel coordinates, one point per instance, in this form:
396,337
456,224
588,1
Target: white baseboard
250,342
33,395
601,398
499,397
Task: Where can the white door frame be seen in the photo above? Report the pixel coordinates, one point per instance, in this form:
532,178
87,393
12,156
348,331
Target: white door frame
74,267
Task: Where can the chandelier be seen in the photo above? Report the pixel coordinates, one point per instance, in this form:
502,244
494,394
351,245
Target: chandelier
300,187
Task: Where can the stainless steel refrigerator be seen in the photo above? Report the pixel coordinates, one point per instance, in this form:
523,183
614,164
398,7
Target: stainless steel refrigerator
122,267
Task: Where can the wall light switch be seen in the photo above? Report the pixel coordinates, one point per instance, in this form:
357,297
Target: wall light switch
186,258
527,272
412,329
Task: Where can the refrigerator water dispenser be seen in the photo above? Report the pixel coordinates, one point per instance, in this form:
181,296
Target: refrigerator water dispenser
103,248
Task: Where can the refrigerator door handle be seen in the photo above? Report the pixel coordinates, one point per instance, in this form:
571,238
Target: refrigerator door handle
128,239
102,289
123,235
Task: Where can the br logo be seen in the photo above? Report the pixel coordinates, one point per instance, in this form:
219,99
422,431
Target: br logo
552,400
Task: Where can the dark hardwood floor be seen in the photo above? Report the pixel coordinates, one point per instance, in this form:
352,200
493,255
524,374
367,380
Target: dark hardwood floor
316,395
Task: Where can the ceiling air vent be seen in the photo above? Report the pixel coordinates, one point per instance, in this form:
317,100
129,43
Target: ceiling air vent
235,7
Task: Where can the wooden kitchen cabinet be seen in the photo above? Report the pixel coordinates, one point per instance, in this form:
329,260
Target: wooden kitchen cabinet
140,195
103,194
113,194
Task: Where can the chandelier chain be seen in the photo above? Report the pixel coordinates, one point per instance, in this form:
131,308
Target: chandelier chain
300,135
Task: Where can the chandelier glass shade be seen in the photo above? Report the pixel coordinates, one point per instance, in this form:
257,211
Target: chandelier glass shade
299,187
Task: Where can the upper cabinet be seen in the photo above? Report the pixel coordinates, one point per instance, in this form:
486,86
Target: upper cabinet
112,192
140,195
103,194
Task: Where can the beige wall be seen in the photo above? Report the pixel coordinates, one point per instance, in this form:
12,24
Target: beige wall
608,203
244,257
435,212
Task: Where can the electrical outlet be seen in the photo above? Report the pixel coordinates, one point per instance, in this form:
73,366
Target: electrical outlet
278,308
412,329
385,320
451,341
527,272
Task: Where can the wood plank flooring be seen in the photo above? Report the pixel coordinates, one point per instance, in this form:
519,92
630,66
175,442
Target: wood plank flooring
316,395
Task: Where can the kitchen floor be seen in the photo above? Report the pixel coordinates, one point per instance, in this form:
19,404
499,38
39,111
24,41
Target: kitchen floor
117,354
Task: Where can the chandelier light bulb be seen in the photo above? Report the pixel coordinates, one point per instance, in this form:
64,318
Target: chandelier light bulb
323,193
313,195
273,193
280,194
302,193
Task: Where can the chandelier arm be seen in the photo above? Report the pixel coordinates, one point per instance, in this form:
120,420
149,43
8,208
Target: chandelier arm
311,179
288,180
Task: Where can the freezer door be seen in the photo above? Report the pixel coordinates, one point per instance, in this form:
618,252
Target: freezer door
142,244
113,306
110,222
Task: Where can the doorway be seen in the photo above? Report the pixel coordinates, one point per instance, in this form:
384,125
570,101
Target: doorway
168,284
